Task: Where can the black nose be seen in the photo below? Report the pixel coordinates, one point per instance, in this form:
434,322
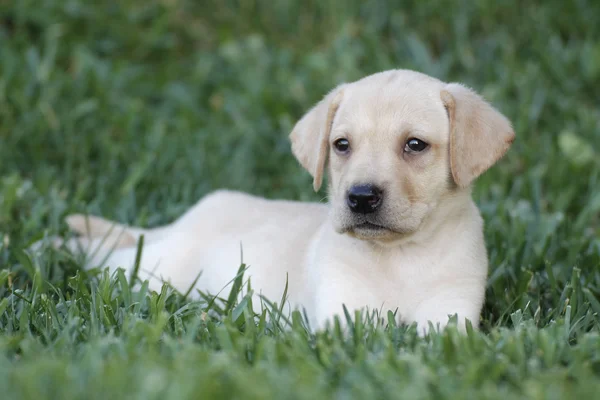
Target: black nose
364,199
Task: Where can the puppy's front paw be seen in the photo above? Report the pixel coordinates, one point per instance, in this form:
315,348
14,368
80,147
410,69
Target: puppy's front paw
434,318
426,325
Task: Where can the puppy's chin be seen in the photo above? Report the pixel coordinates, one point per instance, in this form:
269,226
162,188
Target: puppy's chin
378,229
369,234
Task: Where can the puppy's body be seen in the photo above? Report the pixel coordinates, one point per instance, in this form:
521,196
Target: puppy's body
225,228
401,232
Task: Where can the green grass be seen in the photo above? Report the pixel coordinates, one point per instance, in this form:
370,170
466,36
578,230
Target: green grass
135,109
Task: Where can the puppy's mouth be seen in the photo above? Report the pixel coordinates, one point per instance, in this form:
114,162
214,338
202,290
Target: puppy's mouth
369,226
370,230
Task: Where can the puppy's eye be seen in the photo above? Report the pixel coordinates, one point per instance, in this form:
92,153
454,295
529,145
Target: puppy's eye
342,146
415,146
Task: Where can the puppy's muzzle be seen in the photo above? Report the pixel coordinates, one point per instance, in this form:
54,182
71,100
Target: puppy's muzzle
364,199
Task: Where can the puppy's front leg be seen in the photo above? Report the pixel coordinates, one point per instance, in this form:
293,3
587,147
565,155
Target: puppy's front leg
338,292
465,302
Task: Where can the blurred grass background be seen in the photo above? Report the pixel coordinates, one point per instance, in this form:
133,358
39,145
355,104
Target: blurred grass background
135,109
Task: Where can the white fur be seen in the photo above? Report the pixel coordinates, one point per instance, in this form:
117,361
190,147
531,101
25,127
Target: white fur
430,264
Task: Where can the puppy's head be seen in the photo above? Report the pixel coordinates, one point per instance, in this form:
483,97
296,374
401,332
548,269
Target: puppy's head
399,143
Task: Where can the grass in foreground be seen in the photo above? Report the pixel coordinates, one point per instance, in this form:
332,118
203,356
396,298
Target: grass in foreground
135,110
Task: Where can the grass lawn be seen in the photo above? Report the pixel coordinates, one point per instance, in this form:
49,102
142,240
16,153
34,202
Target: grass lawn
135,109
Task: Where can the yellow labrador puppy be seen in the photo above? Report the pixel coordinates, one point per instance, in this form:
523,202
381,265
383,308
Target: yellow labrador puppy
400,233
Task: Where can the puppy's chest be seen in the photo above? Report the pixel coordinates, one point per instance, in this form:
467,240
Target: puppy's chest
394,279
405,273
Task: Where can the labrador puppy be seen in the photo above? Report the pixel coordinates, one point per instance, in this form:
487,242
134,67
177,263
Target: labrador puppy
400,232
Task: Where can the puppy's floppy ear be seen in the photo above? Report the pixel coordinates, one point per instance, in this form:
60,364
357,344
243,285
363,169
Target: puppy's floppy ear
479,134
310,136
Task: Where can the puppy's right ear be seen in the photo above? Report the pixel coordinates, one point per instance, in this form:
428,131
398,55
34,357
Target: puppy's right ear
310,136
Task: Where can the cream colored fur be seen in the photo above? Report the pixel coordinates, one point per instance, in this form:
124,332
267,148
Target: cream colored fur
428,261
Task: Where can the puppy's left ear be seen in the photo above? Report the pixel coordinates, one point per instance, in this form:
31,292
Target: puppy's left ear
479,134
310,136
